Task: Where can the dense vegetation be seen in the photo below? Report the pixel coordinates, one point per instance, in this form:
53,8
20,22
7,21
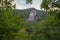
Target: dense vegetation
10,24
26,12
13,26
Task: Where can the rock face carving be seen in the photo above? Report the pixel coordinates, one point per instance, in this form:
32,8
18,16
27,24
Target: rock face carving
32,15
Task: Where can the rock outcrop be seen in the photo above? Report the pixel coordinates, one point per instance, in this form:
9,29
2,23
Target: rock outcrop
32,15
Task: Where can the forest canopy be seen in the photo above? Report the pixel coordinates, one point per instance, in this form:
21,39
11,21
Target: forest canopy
14,27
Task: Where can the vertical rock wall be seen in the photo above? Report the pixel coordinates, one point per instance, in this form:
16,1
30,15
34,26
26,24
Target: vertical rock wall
32,15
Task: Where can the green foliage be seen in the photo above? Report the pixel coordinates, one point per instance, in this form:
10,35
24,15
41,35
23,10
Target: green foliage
56,4
47,29
46,3
6,4
25,13
13,27
10,24
28,1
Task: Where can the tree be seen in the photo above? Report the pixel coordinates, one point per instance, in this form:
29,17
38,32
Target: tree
47,4
50,26
48,29
10,24
28,1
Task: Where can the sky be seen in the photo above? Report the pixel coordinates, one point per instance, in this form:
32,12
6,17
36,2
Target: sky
21,4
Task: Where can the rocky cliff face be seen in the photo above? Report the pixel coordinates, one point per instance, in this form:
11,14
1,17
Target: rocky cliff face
32,15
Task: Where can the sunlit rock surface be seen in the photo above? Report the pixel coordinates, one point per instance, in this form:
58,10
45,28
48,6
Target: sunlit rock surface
32,15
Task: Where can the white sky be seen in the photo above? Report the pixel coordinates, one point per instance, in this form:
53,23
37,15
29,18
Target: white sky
21,4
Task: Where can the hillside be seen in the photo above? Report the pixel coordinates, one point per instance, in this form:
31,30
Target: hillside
25,13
